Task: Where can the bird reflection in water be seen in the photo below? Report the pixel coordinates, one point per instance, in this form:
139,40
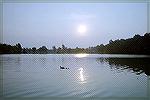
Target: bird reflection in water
82,79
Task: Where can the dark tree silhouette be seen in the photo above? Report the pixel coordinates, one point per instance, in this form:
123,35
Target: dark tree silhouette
34,50
136,45
54,49
43,50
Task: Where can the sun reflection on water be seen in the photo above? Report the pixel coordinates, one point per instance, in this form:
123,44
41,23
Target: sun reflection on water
81,55
82,78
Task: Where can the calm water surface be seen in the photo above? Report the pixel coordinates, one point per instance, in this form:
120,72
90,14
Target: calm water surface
90,75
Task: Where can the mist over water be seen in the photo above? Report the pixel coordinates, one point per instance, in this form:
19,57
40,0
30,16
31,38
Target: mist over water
88,75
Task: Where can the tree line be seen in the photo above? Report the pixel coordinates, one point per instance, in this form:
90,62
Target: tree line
136,45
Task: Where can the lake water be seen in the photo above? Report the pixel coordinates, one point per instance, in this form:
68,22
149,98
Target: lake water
89,76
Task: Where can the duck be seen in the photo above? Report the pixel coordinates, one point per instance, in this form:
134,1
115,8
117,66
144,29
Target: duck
63,68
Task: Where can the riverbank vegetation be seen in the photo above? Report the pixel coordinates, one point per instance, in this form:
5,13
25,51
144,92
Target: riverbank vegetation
136,45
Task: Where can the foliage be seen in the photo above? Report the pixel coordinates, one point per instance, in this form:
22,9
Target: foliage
136,45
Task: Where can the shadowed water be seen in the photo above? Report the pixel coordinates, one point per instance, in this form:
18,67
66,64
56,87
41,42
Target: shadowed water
92,75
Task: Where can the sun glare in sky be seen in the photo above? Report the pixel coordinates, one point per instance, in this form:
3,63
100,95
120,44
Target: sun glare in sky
82,30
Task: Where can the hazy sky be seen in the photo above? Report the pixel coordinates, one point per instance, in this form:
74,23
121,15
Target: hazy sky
37,24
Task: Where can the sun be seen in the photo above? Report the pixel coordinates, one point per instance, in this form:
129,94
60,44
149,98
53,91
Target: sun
82,29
